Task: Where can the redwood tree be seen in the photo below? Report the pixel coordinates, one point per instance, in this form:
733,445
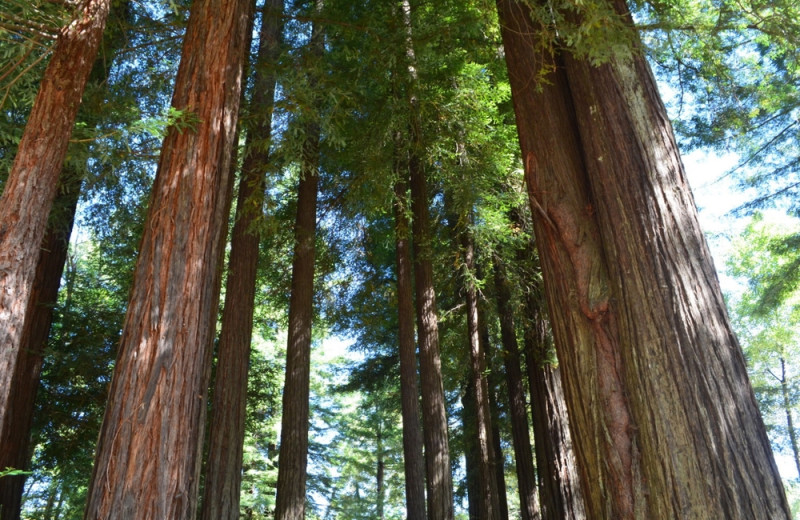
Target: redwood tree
293,458
526,473
147,463
27,198
409,390
439,481
664,420
488,501
223,472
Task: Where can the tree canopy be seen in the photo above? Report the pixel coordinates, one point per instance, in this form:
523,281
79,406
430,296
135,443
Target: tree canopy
384,88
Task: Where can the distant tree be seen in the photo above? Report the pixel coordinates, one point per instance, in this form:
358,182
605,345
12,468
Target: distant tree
434,419
769,338
518,411
293,460
409,389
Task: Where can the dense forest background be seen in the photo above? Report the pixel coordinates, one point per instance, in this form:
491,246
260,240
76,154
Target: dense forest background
729,73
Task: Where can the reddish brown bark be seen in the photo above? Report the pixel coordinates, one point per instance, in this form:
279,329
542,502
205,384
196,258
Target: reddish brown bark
224,464
293,458
15,449
29,193
147,463
409,390
434,418
664,420
526,473
470,450
439,481
559,482
488,500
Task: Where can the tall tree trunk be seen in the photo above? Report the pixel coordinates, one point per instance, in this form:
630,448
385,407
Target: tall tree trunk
147,463
409,391
439,479
664,419
28,197
224,466
526,473
15,451
470,450
559,481
499,457
379,473
434,419
293,457
488,501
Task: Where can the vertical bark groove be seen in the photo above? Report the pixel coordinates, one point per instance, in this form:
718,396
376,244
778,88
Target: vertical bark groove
226,438
409,390
29,193
147,462
639,321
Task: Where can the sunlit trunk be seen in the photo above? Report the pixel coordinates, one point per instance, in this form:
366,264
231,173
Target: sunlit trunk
148,457
223,472
25,205
664,421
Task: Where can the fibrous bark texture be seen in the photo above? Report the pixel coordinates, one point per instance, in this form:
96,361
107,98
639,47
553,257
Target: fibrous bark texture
223,473
15,449
148,457
409,390
663,417
28,197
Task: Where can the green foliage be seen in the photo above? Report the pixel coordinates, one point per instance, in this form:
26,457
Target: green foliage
74,379
735,68
769,336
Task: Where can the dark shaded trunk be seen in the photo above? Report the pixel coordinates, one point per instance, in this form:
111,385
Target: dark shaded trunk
25,205
148,456
635,305
488,501
227,426
379,474
434,419
559,481
470,451
409,391
293,457
526,473
499,456
15,451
